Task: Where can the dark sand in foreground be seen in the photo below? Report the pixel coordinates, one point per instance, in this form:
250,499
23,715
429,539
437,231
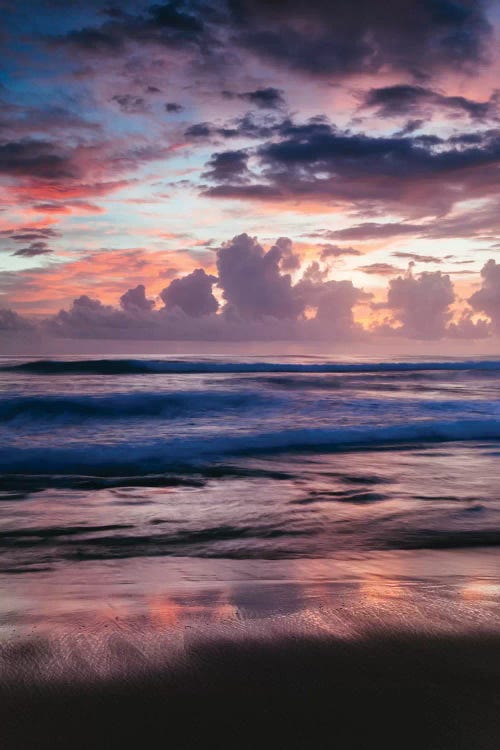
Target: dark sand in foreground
416,670
400,692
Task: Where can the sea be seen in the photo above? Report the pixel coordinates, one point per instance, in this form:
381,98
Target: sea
177,495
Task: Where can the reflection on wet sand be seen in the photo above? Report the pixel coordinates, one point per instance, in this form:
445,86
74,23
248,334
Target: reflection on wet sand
91,618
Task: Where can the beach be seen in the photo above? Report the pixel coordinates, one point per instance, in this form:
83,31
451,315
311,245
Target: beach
285,553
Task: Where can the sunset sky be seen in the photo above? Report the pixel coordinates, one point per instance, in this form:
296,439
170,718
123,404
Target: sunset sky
262,168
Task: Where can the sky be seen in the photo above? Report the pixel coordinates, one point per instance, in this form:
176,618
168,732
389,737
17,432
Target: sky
246,170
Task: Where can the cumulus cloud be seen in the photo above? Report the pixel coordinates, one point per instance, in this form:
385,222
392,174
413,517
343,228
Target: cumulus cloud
421,304
263,301
251,281
487,298
135,299
192,294
11,322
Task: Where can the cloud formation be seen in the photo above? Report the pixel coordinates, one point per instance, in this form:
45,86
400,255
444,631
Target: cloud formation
406,99
322,38
487,298
261,300
192,294
421,304
130,135
315,161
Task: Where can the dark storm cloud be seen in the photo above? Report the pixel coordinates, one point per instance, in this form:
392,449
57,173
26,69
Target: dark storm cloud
405,99
192,294
322,37
316,161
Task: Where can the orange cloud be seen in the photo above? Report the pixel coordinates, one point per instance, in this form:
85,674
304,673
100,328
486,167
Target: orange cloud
105,274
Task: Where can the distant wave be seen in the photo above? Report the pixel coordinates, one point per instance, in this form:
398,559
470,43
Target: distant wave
68,408
150,366
139,459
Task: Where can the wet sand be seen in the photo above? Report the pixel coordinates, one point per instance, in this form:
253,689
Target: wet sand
399,665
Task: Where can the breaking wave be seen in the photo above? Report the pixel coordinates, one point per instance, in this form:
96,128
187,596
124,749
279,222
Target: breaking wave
139,459
150,366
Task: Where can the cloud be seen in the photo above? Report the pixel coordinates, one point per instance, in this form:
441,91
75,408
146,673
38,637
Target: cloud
321,38
467,328
421,304
406,99
267,98
487,298
192,294
380,269
372,230
410,127
422,175
135,299
335,251
33,250
11,322
129,103
251,281
199,130
35,158
171,24
261,301
417,257
173,107
30,234
228,166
